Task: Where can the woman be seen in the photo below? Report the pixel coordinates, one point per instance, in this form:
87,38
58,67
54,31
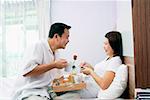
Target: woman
104,72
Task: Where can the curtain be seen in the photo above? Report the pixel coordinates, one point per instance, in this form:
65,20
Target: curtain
22,22
44,19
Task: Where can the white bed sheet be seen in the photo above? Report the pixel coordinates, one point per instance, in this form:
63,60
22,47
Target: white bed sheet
6,87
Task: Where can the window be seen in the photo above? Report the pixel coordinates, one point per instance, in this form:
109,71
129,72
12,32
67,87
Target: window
18,29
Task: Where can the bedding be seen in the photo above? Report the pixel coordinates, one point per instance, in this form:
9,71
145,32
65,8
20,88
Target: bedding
6,87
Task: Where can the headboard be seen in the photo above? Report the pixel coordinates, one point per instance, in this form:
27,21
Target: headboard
129,61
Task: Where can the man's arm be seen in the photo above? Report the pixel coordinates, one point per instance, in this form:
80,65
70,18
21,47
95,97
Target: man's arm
40,69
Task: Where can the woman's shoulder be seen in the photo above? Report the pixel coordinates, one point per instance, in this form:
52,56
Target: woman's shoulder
116,58
114,61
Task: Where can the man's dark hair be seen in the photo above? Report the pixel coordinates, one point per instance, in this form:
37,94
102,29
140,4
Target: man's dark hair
57,28
115,41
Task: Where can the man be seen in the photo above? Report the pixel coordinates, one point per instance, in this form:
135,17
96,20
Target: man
41,65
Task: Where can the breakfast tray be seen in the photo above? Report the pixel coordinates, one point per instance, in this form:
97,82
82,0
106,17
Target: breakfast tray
70,87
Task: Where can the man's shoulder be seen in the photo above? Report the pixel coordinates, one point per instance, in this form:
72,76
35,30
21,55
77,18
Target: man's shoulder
39,43
36,45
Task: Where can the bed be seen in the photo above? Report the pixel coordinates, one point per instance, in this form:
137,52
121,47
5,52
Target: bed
7,84
6,87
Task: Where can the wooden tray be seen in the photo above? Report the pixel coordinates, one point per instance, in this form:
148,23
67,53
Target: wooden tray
70,87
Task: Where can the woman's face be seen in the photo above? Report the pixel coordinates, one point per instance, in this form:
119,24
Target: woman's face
109,51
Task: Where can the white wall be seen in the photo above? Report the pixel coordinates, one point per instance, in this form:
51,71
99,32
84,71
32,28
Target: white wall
124,25
90,20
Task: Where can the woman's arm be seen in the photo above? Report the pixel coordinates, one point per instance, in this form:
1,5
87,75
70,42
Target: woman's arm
105,81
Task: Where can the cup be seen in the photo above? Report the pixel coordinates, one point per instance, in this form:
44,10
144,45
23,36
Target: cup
79,78
76,79
69,67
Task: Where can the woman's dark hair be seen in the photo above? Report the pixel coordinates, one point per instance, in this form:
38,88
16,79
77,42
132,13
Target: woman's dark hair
57,28
115,41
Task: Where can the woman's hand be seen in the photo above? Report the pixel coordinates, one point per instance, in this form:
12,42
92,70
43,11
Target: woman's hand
85,64
87,70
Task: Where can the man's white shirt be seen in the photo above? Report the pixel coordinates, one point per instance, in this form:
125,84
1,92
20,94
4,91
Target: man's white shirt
39,53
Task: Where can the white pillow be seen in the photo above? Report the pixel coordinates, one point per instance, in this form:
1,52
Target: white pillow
122,75
118,85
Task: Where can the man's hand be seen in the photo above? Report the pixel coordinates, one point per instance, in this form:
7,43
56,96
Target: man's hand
61,63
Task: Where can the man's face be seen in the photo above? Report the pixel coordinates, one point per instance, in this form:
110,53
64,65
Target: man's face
64,39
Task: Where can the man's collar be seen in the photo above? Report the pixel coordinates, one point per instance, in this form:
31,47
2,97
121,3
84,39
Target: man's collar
48,47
